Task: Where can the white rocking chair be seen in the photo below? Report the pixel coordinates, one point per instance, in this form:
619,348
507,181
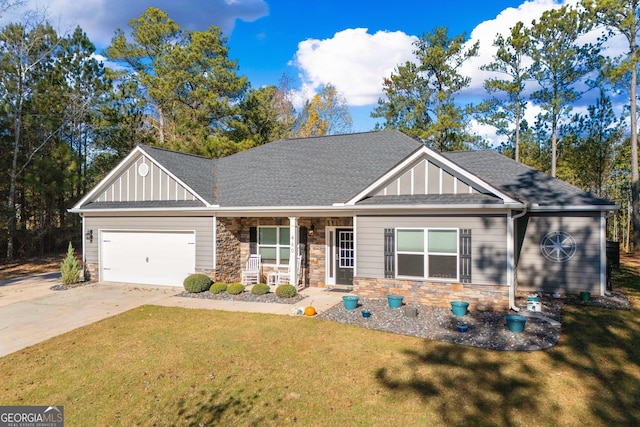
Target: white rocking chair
250,275
284,276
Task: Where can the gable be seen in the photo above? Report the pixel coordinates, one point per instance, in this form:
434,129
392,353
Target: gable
143,181
425,178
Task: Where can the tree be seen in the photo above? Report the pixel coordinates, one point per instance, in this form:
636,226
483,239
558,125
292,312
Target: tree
189,82
326,114
25,61
83,94
420,96
622,17
154,34
594,136
261,119
70,267
506,114
559,64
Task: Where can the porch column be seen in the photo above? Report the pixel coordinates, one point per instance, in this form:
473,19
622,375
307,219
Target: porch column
293,249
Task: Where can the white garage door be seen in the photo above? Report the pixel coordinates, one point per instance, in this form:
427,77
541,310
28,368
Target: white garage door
152,258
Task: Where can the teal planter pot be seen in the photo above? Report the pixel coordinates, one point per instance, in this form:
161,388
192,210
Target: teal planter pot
350,302
585,296
395,301
516,323
459,308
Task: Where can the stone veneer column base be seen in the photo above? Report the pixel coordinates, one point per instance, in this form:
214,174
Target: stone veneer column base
479,297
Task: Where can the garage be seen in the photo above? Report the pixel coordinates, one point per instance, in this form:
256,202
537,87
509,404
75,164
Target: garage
150,258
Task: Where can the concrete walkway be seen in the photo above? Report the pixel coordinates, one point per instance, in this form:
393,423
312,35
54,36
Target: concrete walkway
30,312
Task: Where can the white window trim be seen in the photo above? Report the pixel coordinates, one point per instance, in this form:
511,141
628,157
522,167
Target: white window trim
278,246
426,254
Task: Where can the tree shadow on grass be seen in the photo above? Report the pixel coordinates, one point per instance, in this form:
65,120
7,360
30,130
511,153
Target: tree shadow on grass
469,389
217,408
599,353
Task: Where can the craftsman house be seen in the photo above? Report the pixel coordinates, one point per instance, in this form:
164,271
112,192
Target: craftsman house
375,212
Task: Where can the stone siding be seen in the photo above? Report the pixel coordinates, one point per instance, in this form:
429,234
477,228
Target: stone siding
479,297
232,247
229,257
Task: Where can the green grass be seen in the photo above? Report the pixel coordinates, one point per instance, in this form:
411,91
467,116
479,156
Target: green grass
171,366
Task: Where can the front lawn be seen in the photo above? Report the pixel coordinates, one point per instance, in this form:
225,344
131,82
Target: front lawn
171,366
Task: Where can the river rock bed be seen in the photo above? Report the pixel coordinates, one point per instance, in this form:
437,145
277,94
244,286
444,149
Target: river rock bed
484,329
246,296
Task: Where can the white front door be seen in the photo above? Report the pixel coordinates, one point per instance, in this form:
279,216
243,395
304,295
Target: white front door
151,258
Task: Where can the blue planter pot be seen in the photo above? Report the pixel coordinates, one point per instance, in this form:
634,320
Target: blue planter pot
516,323
395,301
350,302
459,308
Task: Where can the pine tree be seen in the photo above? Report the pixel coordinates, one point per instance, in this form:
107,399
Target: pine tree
70,267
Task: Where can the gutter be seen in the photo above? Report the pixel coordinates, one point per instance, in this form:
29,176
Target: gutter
512,285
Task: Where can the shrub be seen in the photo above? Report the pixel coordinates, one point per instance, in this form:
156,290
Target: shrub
196,283
70,268
286,291
218,287
235,288
260,289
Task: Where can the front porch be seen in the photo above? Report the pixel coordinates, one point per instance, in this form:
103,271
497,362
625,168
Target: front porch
324,244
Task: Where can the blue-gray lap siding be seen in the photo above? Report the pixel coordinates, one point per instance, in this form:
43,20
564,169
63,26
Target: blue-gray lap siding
489,243
580,273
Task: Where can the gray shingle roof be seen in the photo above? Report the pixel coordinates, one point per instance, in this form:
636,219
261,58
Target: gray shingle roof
325,170
309,171
145,205
194,171
433,199
522,182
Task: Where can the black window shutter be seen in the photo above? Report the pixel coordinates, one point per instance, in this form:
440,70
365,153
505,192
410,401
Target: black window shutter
302,245
253,240
465,255
389,253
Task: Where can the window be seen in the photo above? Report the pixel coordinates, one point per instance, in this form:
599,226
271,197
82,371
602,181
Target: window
427,253
273,245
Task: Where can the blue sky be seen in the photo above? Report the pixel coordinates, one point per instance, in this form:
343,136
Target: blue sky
352,44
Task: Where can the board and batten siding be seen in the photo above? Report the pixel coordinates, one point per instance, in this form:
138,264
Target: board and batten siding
154,185
580,273
425,178
203,227
488,252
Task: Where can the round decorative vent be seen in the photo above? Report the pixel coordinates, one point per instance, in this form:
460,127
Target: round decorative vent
143,169
558,246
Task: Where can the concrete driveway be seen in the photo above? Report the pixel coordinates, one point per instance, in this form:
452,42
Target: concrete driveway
30,312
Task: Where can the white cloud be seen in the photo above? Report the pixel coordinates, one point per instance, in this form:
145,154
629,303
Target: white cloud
486,32
354,61
100,18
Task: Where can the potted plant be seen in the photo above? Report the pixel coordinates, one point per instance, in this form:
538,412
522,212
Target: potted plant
459,308
394,300
350,302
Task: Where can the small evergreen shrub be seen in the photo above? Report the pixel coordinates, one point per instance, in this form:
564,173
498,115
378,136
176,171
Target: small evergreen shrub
235,288
70,268
196,283
260,289
286,291
218,287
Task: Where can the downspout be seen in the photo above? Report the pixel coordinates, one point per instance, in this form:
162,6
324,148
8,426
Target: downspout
512,278
604,262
